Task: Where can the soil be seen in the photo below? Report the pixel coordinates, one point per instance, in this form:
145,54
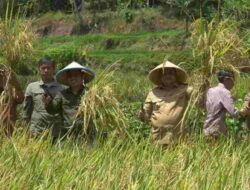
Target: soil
89,25
54,28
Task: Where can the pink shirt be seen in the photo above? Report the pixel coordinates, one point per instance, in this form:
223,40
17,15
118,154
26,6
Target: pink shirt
219,102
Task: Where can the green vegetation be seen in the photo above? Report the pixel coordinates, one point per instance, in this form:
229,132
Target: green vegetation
139,50
123,162
120,164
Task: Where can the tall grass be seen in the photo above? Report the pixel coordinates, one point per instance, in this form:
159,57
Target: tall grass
113,101
100,106
16,39
194,164
216,45
16,45
123,164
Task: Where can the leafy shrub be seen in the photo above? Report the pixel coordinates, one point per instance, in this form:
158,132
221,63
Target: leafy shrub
136,127
63,54
128,15
24,69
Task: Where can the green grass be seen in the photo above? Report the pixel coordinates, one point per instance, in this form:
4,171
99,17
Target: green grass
90,42
121,164
98,37
135,51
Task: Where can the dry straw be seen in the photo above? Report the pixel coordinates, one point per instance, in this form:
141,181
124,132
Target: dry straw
100,106
16,38
216,45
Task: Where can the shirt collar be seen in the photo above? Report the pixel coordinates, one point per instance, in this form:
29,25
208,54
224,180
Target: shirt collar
50,84
221,85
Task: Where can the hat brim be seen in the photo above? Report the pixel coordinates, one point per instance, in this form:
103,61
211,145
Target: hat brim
62,78
155,75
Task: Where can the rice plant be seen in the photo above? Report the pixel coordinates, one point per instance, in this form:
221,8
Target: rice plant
100,106
216,45
15,45
194,164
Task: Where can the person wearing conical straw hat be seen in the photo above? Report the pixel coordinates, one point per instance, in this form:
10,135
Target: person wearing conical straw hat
166,103
67,102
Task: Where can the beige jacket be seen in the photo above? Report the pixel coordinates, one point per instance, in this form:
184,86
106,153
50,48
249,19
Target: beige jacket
165,109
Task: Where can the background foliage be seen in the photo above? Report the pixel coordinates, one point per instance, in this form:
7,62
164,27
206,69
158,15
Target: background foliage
122,163
186,8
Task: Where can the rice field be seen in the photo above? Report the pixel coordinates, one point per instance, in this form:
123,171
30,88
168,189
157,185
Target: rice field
122,162
125,163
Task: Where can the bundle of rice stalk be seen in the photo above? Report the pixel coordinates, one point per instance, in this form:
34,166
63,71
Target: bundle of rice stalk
100,106
216,46
16,38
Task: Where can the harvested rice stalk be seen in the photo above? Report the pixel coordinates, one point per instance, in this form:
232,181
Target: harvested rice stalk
16,40
216,46
100,106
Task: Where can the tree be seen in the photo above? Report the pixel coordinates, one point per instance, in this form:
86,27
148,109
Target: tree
192,9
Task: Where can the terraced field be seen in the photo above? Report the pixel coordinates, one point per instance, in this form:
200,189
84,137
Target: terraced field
147,49
125,162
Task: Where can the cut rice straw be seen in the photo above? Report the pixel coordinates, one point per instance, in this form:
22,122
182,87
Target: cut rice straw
100,106
216,46
16,44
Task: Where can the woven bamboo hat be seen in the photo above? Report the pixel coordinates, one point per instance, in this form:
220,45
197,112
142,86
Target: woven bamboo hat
88,74
155,75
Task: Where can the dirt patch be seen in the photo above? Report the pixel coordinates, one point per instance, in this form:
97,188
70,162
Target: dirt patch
112,22
54,28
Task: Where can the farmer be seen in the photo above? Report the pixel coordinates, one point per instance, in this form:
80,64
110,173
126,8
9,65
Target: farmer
67,102
218,102
34,110
8,113
166,103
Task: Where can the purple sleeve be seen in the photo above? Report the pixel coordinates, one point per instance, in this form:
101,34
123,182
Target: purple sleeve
228,103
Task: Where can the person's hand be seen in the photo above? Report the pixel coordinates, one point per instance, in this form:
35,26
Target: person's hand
46,99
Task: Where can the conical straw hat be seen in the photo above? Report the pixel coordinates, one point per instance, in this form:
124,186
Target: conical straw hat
155,75
88,74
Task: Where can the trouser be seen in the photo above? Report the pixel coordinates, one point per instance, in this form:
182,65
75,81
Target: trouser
166,135
215,131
